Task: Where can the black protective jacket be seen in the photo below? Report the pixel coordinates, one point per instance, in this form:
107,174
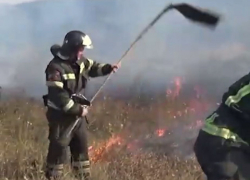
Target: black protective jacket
237,98
64,78
232,119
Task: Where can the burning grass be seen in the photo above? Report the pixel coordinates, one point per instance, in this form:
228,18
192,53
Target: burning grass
127,141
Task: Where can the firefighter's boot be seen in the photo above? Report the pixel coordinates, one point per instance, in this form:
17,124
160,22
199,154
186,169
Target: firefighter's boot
54,172
81,170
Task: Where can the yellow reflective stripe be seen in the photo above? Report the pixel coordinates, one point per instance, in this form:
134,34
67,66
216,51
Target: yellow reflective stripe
69,76
81,163
236,98
99,70
91,62
85,73
212,118
82,66
69,105
222,132
54,84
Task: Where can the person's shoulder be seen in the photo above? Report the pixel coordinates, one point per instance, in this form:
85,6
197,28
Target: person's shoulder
55,65
54,62
54,49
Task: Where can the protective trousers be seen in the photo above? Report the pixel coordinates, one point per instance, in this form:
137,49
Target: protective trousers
59,141
219,160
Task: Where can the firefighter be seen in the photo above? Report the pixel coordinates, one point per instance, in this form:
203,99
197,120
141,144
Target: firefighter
66,74
222,146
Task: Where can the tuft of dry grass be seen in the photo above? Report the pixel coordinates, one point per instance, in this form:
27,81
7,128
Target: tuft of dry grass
23,132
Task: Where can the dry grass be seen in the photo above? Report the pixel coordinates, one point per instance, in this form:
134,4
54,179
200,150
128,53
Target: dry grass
23,132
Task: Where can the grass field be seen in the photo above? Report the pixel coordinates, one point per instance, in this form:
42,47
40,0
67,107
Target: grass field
128,141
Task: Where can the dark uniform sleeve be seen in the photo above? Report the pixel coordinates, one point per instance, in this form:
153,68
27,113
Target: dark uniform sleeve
235,88
238,95
57,95
96,69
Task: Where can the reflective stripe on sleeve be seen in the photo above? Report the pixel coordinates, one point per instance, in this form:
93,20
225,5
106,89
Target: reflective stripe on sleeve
69,105
91,62
240,94
54,84
222,132
99,70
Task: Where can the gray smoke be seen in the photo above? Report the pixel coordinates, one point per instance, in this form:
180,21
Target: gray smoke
174,47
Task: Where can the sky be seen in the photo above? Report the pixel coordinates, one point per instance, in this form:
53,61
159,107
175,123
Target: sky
15,2
173,47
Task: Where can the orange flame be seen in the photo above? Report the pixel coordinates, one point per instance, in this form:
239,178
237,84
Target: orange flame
97,153
192,107
160,132
177,88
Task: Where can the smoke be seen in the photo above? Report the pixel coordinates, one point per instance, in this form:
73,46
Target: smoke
174,47
14,2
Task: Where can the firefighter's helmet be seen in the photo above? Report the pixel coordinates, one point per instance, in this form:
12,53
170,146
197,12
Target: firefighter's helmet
74,40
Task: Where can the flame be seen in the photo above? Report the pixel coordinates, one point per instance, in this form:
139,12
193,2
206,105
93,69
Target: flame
97,153
177,88
194,106
178,85
160,132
